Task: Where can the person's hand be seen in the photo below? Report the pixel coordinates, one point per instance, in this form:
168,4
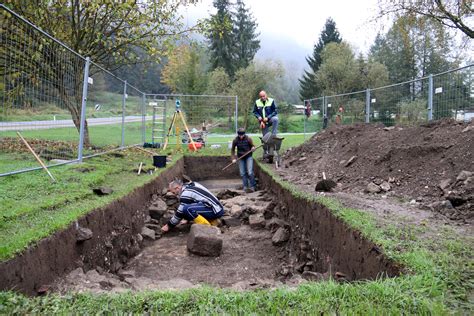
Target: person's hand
259,119
262,125
265,119
234,160
165,228
253,148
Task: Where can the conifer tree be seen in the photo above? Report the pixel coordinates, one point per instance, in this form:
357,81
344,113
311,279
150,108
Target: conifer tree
308,84
246,42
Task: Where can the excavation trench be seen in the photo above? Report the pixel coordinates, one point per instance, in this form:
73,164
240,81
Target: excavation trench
270,238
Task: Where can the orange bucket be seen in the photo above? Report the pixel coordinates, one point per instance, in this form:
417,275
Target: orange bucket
198,146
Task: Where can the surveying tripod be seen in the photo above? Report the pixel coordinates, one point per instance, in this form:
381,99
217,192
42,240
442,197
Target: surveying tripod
173,122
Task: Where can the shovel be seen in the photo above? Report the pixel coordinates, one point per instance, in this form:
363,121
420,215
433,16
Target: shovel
265,140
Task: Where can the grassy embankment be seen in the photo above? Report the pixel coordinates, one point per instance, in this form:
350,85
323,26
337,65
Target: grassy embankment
438,280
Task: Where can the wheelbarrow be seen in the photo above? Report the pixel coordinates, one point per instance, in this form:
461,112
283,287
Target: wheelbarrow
271,149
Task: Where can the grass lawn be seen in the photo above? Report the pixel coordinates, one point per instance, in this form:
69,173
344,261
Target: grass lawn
439,277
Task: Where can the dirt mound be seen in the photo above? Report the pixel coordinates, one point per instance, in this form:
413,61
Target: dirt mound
431,165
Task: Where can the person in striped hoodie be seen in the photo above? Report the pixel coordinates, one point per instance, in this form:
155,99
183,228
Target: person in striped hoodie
196,204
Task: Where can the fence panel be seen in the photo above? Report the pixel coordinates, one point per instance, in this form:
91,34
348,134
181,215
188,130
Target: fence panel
41,93
453,94
103,129
405,103
346,108
207,116
315,122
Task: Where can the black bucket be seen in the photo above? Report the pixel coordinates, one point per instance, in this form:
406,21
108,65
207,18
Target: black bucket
159,161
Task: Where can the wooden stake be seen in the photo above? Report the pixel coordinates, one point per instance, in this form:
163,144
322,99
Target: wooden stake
147,151
140,167
36,156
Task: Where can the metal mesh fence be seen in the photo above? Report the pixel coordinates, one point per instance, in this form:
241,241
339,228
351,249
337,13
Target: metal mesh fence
41,92
208,117
453,94
346,108
445,95
404,104
314,115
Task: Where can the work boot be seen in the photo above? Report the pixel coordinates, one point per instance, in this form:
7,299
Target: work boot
252,189
247,190
201,220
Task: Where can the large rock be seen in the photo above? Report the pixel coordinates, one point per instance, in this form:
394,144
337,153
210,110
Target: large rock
148,233
281,236
158,209
257,221
204,240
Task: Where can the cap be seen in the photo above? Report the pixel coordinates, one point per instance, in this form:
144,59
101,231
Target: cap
241,131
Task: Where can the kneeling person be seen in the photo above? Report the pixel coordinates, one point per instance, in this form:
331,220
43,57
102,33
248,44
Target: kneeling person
196,204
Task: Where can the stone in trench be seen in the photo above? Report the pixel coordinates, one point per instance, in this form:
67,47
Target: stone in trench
281,236
235,210
373,188
444,184
385,186
83,234
231,221
204,240
94,276
158,209
256,221
275,223
148,233
463,176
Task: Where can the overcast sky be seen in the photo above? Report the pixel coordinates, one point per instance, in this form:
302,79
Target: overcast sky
290,28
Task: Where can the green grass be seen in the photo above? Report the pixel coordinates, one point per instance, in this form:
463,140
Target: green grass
33,207
438,276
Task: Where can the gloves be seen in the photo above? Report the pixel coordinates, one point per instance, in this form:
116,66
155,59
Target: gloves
234,160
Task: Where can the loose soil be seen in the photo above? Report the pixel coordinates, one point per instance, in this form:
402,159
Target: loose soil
428,167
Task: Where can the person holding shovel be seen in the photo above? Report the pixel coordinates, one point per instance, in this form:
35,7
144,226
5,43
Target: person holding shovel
196,203
266,112
245,147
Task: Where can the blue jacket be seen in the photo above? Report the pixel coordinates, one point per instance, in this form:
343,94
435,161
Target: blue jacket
267,109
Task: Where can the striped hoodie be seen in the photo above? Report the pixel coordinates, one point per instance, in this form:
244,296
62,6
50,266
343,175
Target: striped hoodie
194,193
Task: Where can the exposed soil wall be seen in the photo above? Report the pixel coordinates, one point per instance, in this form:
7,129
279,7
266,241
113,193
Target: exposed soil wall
115,229
334,246
316,235
205,168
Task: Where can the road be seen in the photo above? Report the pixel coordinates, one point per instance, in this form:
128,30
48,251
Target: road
30,125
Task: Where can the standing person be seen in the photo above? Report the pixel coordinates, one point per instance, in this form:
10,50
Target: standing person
244,144
196,204
266,113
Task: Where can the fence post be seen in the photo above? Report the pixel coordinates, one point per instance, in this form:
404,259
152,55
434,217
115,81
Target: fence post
305,119
367,106
325,113
236,112
143,118
82,128
123,111
430,97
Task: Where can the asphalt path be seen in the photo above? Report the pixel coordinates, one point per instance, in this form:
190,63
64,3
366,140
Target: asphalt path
31,125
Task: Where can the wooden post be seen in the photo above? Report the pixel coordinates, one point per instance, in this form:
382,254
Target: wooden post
36,156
